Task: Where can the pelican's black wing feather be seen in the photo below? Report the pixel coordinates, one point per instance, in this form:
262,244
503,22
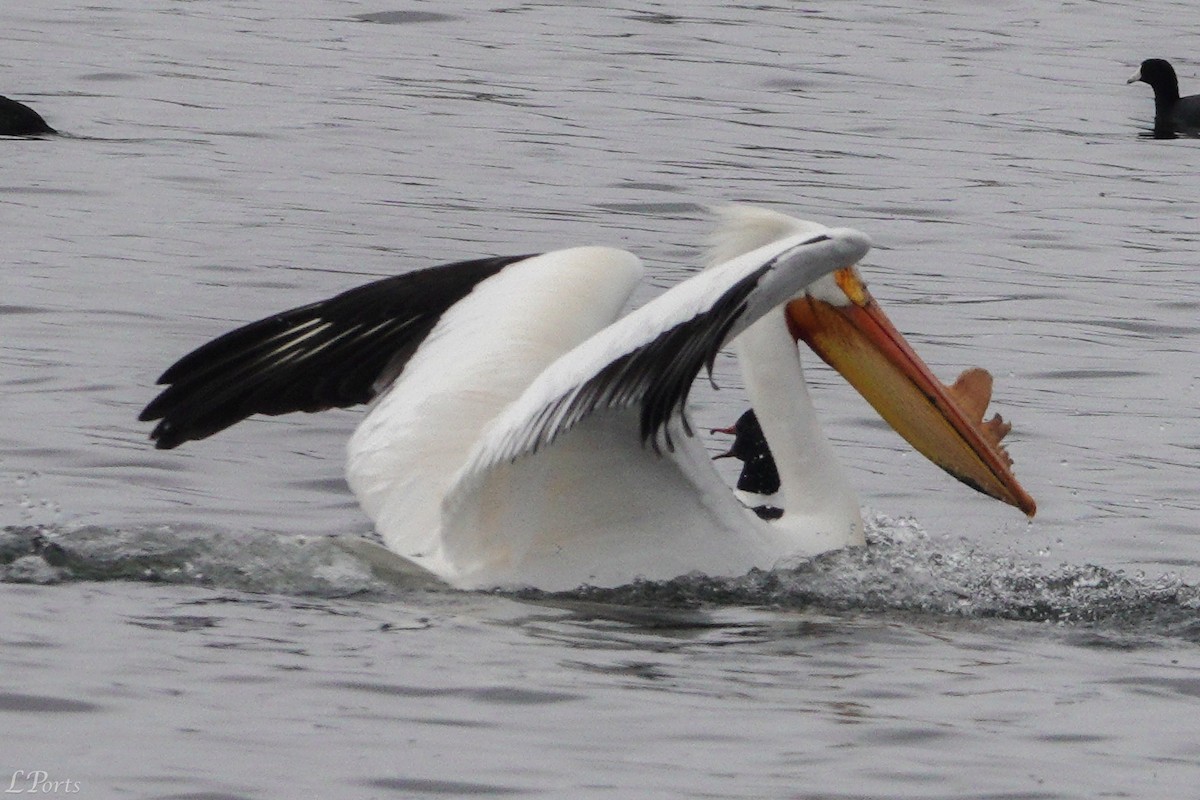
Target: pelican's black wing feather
656,376
329,354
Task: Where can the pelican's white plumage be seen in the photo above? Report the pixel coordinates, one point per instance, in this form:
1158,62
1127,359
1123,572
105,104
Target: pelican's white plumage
594,504
524,433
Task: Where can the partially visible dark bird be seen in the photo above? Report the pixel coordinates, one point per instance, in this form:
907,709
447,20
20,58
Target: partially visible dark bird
18,119
1173,114
759,480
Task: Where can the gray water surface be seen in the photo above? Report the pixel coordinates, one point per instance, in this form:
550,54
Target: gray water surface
179,624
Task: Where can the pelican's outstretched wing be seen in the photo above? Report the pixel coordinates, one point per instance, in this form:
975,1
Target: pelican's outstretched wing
650,358
334,353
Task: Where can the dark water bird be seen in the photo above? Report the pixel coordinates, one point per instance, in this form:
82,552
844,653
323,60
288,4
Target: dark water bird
1173,114
758,482
18,119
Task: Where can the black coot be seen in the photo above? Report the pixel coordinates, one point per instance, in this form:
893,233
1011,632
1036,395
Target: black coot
1172,114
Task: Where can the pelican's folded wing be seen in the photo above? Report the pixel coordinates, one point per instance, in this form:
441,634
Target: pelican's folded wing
650,358
334,353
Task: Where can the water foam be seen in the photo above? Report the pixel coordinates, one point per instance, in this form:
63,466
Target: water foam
248,561
902,569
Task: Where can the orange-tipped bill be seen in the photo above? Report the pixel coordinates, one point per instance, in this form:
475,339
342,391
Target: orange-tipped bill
944,423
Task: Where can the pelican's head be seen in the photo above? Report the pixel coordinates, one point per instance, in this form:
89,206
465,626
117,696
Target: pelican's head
840,320
837,317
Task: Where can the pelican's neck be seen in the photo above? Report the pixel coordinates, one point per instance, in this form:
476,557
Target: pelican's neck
818,501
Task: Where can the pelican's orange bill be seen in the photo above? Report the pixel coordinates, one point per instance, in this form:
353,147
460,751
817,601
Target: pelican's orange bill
944,423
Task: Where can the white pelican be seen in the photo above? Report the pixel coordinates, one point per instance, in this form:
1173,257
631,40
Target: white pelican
525,434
